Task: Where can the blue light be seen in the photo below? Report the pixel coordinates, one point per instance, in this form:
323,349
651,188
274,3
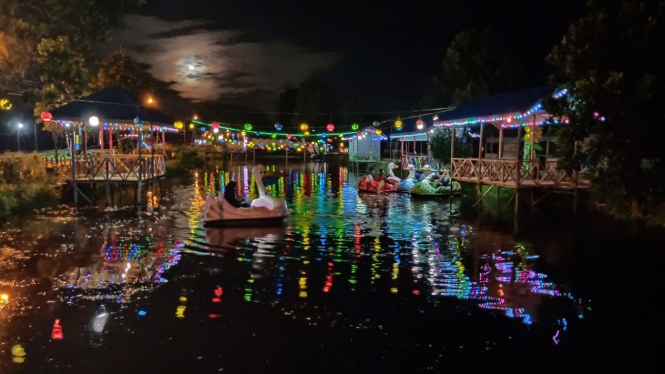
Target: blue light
142,313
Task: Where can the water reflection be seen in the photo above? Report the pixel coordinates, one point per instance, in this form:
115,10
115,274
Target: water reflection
337,247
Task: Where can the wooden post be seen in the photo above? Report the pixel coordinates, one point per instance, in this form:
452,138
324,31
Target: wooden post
452,150
164,144
140,171
101,139
481,145
76,196
517,180
500,154
111,140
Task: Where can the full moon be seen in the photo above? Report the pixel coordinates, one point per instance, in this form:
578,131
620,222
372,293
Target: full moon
191,67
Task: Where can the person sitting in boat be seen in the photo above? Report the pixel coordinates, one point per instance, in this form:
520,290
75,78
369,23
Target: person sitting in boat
382,176
443,178
230,196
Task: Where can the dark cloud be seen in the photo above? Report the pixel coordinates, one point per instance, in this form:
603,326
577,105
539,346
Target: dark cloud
207,64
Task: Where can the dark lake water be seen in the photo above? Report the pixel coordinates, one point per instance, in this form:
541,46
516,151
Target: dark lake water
349,283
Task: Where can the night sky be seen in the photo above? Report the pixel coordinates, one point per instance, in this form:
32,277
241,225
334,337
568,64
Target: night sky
246,52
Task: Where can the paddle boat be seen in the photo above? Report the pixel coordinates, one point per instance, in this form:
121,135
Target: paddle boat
408,183
391,176
430,188
378,185
264,210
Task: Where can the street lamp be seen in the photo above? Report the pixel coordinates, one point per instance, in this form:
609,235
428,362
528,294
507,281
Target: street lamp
18,137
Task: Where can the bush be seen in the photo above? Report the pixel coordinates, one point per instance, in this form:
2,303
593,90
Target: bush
25,184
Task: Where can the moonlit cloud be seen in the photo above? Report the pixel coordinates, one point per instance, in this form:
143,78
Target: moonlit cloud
224,66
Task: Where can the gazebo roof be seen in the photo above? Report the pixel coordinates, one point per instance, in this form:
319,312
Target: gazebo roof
112,104
496,108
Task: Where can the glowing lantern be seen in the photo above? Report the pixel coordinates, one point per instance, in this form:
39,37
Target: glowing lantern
304,127
191,126
46,116
94,121
215,125
379,132
248,127
355,127
376,123
360,135
203,129
306,133
273,136
330,127
398,124
278,126
420,124
57,331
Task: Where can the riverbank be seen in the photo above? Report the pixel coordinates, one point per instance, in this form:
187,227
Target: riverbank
25,184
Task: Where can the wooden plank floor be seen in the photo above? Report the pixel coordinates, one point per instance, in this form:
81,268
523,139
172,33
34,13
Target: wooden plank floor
525,184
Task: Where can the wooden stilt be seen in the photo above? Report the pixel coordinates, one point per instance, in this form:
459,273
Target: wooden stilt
500,154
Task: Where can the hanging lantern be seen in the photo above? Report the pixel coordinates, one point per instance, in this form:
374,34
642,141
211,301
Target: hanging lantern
273,136
306,133
398,124
242,133
376,123
379,132
94,121
330,127
420,124
137,121
360,135
178,125
355,127
248,127
46,116
215,125
191,126
278,126
304,127
203,129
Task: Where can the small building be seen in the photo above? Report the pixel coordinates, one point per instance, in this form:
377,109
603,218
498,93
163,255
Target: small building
365,146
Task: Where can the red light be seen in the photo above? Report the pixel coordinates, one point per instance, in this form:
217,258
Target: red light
218,292
57,331
213,315
216,300
416,292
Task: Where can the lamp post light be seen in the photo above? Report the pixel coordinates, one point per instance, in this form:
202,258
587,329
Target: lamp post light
18,136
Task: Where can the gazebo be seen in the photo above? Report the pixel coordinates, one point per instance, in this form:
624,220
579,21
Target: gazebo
107,116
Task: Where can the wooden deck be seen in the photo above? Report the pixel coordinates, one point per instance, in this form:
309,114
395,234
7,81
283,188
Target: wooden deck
112,168
512,173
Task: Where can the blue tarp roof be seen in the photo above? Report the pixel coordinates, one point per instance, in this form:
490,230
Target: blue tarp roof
520,101
110,104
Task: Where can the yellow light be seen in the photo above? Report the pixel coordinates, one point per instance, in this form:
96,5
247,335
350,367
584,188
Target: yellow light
242,133
341,144
196,117
150,100
4,297
304,127
306,133
178,125
191,126
398,123
379,132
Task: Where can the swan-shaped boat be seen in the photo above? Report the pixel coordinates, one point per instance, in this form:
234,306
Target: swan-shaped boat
391,176
408,183
264,210
428,188
378,185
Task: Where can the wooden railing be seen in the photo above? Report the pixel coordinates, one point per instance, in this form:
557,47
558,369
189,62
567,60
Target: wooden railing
118,168
514,173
